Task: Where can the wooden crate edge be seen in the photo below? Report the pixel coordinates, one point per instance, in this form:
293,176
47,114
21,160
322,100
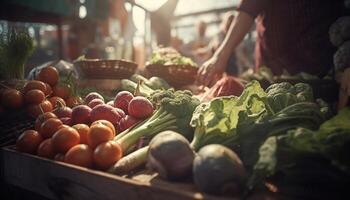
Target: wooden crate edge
43,175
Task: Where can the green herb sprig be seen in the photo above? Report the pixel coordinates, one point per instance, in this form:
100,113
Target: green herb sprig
15,49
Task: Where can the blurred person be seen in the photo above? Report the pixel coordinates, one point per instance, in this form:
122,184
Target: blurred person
121,33
125,25
291,35
113,38
200,41
176,42
161,22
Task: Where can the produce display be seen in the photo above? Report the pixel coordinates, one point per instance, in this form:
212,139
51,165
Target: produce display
228,140
83,135
256,133
327,143
228,145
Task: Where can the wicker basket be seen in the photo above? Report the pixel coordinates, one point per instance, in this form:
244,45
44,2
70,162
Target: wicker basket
105,69
176,75
12,124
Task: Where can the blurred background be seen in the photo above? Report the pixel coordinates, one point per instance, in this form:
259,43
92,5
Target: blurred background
123,29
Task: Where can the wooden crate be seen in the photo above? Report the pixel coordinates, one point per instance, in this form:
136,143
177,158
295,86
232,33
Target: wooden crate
58,180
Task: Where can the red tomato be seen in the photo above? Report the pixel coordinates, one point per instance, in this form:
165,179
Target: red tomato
106,154
45,149
55,100
83,131
62,91
28,141
49,127
80,154
34,96
31,85
42,118
36,110
64,139
98,134
49,75
12,99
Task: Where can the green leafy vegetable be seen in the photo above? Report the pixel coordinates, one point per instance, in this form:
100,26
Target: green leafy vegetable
169,56
287,107
146,86
281,95
131,86
154,82
216,121
253,133
285,152
15,48
243,123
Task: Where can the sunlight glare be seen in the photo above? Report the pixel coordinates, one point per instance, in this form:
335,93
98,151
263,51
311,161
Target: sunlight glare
151,5
82,12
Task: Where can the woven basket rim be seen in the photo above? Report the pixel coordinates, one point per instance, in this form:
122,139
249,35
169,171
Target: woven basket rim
173,65
176,75
104,60
102,69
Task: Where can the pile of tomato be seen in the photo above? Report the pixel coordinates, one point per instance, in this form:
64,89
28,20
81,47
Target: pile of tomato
88,146
40,95
72,130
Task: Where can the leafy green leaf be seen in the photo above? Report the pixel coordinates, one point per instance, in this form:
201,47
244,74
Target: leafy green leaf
340,120
330,142
216,121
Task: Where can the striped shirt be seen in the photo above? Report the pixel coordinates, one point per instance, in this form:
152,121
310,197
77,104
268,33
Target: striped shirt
293,34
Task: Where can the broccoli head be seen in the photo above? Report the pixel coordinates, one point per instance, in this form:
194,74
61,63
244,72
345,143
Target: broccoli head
339,32
283,87
173,112
342,57
281,95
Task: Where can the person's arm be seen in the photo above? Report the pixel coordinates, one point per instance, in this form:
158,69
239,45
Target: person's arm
217,63
236,34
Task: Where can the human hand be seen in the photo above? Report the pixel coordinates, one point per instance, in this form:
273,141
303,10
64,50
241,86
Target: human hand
344,91
210,71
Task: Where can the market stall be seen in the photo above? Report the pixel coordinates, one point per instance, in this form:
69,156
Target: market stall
100,128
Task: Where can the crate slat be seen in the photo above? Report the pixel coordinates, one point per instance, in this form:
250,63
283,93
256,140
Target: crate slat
57,180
